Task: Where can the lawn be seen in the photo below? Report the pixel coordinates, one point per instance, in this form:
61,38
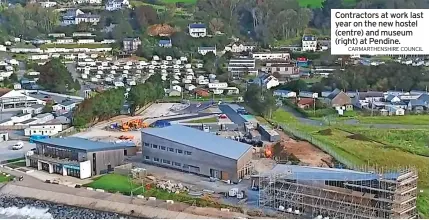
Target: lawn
404,119
414,141
361,152
4,178
204,120
117,183
175,1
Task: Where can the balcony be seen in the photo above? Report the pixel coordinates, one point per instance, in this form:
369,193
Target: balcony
53,159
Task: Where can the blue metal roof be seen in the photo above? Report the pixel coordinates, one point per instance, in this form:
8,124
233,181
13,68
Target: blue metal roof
85,144
197,26
200,140
164,42
326,174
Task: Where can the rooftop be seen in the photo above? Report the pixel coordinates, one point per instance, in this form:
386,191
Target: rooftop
308,38
197,26
85,144
200,140
325,174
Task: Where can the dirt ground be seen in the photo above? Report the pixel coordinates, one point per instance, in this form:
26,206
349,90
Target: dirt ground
306,152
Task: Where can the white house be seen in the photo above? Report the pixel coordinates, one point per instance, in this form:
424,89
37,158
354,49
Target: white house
190,87
204,50
65,106
309,43
284,94
43,129
270,82
394,110
48,4
271,56
197,30
91,2
12,99
113,5
217,85
239,48
43,118
3,48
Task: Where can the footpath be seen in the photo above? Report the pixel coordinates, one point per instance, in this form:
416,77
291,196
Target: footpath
33,188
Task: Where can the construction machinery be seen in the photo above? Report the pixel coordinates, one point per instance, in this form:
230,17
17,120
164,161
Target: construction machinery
134,124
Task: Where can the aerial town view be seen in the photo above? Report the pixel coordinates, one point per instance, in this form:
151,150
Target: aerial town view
228,109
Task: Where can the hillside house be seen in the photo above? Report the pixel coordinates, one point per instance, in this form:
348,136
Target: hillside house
131,44
165,43
204,50
114,5
197,30
309,43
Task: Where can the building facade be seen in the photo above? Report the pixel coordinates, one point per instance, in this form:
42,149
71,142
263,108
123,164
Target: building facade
309,43
78,157
197,30
238,67
188,149
131,44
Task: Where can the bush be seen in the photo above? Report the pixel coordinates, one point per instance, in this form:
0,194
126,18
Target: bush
325,132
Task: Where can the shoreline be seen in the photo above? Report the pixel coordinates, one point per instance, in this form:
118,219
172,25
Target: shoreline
13,206
99,201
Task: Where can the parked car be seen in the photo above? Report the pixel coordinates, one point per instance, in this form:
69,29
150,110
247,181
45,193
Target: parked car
18,146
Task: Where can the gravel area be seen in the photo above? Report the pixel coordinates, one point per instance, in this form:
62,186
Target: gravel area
23,208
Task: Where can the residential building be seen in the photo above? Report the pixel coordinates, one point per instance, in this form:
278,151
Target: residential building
266,81
77,16
165,43
131,44
114,5
309,43
204,50
90,2
47,4
59,35
82,34
239,48
239,67
395,110
187,149
34,109
284,94
197,30
339,99
65,106
48,129
271,56
217,85
305,103
78,157
284,71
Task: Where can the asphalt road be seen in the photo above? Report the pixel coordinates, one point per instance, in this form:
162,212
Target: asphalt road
6,152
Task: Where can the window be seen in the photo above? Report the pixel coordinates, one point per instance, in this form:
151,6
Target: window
156,159
146,157
154,146
146,144
166,161
171,149
162,147
179,151
188,153
185,166
177,164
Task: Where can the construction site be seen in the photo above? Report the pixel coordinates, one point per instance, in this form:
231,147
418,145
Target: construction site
323,193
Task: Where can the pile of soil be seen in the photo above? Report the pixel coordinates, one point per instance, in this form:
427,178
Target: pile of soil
325,132
358,137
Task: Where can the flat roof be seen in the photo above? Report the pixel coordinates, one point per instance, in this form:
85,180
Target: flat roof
85,144
200,140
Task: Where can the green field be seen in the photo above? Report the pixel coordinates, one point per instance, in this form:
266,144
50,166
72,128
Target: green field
4,178
404,119
204,120
393,148
175,1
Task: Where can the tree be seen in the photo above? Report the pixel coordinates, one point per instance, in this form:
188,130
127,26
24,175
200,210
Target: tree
146,15
122,30
142,94
215,25
55,77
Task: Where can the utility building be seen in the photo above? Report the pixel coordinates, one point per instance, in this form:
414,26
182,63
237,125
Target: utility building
78,157
195,151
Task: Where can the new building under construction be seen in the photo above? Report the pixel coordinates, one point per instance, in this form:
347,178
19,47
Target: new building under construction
314,192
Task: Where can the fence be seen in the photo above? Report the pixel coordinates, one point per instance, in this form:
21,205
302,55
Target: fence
308,137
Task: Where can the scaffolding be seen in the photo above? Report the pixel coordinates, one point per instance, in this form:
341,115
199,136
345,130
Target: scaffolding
389,195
